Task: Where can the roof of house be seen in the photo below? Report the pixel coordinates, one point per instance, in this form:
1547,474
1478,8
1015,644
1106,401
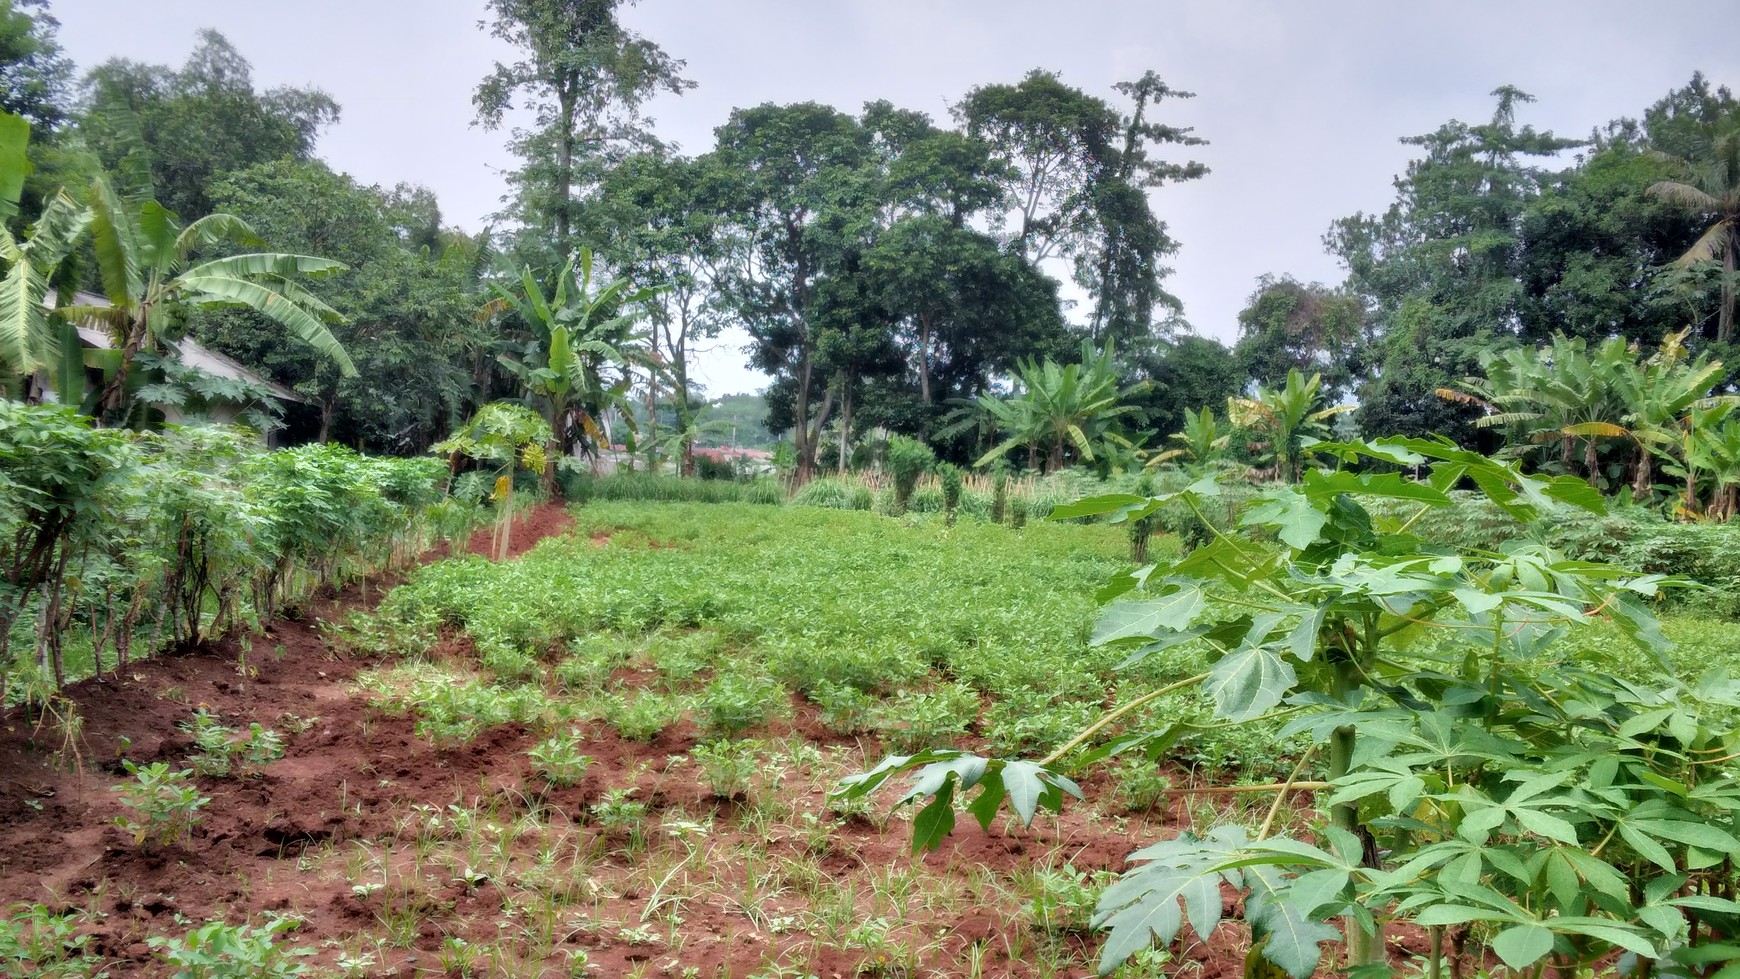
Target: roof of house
192,354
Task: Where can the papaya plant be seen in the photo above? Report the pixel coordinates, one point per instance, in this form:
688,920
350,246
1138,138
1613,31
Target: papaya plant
1481,781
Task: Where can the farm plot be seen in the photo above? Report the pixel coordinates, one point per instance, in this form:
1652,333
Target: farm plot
613,756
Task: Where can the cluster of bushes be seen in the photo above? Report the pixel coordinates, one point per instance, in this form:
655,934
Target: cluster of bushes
119,543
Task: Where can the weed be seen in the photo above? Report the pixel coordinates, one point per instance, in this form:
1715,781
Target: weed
729,765
557,759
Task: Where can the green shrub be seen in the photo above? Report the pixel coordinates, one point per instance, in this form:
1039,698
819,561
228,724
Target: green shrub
41,943
558,761
1062,901
834,493
707,467
645,716
220,951
844,709
907,459
1000,493
736,702
949,475
912,721
165,804
661,488
729,765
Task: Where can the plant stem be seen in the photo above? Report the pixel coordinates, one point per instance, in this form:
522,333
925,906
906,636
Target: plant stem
1281,787
1112,716
1286,788
1362,946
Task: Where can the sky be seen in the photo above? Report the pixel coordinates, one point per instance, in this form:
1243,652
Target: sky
1302,103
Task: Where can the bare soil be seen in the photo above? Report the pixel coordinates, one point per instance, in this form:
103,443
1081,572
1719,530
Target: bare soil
306,834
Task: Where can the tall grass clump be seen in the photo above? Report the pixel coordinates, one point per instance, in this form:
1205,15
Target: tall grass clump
836,493
949,475
907,459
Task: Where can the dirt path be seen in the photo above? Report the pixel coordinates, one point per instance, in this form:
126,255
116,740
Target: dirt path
58,844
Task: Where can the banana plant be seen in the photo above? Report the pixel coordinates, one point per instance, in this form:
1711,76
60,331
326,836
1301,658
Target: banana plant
151,279
577,362
1062,408
1714,448
1202,441
1289,415
32,337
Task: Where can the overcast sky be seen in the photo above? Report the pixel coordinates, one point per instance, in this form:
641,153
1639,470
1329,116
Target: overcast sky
1302,102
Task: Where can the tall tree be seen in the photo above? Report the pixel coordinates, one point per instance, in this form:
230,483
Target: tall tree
1185,374
1712,190
1287,324
1053,139
35,76
801,195
657,218
965,308
1076,180
1439,270
584,77
1122,269
1593,244
192,124
408,296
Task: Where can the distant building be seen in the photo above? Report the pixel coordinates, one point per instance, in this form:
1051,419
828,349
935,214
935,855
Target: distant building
190,354
728,454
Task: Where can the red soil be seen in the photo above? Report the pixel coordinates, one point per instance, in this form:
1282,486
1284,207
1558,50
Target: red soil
529,527
354,775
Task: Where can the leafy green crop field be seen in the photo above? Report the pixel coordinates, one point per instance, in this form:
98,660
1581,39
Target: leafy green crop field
899,628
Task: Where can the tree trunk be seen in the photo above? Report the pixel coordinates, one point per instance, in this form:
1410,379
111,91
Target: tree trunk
800,428
924,357
845,420
652,420
1643,477
1725,319
1591,463
114,397
565,172
328,408
1056,462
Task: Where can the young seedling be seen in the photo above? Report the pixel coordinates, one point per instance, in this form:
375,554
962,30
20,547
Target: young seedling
165,804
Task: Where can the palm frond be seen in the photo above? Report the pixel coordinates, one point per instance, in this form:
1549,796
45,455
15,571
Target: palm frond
116,244
220,290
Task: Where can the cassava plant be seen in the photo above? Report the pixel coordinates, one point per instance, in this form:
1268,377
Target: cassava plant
1481,782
